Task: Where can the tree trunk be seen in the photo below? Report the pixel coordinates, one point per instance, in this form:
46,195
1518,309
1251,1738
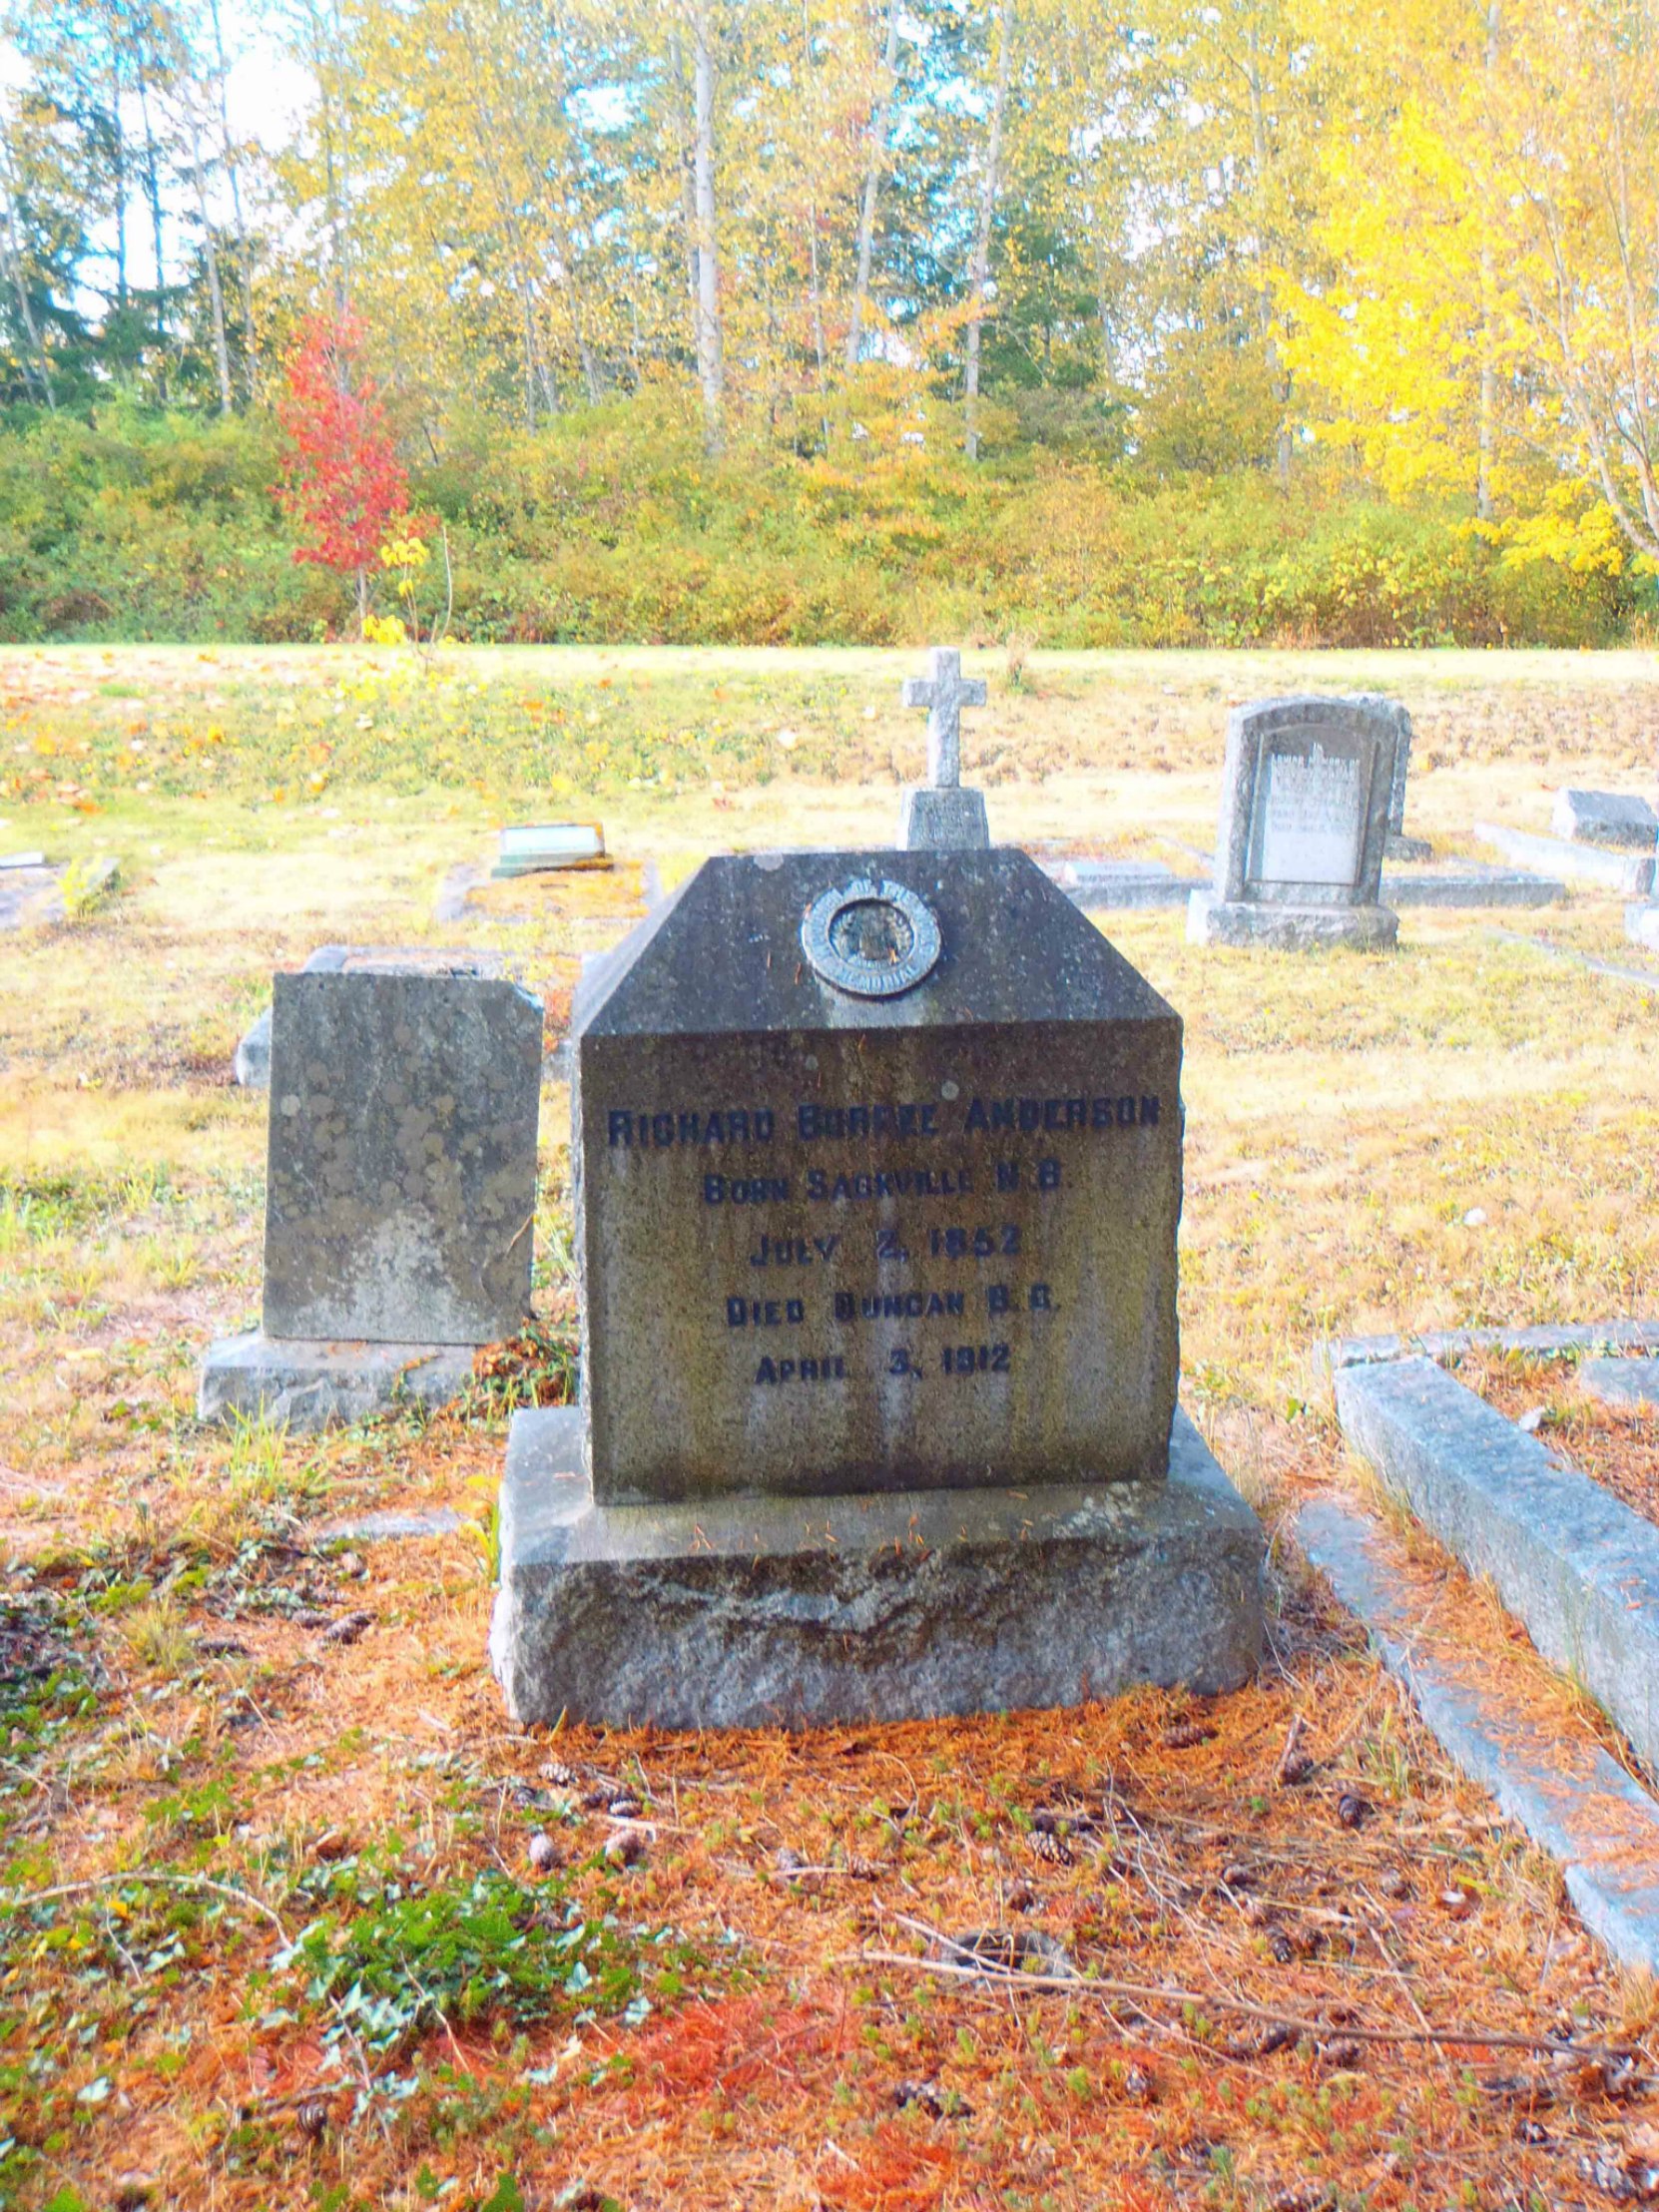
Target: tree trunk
687,191
873,182
711,372
1278,384
245,259
12,249
1489,381
153,191
216,295
982,243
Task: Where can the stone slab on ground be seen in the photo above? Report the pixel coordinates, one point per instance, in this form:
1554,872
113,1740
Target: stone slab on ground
1103,887
1621,1382
1619,818
1628,874
390,1527
1471,886
754,1611
1559,1785
1641,925
1577,1566
310,1385
32,889
1282,928
1549,1342
1644,978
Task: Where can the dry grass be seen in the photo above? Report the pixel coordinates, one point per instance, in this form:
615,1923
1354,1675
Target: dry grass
1466,1132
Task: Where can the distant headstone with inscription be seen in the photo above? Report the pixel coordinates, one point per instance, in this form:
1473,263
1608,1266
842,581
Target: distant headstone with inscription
400,1194
877,1163
943,814
1305,791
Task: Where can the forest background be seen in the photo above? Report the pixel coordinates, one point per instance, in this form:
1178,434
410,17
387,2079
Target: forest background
834,321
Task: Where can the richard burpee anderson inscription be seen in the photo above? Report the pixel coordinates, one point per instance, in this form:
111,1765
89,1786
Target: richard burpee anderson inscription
879,1180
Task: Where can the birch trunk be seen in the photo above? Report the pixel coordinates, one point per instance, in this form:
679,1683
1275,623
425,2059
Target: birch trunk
245,259
216,294
873,183
12,250
982,242
711,371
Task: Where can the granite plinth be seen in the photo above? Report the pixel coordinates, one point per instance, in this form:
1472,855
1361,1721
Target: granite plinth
1618,818
1621,1382
839,1236
1212,920
402,1157
1104,887
1397,846
1641,925
310,1385
906,1605
949,819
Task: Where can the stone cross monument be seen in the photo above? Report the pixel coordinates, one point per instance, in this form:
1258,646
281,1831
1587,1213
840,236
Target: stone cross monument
941,815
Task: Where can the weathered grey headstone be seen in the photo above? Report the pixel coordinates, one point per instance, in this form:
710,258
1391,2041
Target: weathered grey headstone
252,1065
878,1170
402,1162
401,1191
1306,790
943,814
1618,818
1398,846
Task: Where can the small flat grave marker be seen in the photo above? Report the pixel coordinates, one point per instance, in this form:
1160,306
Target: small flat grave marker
535,848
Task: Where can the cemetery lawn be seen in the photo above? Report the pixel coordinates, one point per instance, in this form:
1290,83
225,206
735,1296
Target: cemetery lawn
269,1928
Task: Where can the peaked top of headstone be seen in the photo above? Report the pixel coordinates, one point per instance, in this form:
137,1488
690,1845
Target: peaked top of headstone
724,952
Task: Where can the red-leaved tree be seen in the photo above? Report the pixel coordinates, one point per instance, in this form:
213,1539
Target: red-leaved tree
341,476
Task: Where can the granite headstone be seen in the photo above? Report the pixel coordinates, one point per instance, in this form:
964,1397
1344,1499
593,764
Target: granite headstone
400,1192
877,1163
250,1067
1306,791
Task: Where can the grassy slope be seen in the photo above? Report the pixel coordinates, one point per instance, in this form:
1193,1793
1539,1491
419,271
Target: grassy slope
1348,1121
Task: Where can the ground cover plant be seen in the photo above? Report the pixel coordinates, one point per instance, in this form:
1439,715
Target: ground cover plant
291,1915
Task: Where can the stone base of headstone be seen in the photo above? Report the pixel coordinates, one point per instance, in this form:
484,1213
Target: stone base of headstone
1397,846
751,1611
1641,925
308,1384
1213,921
943,821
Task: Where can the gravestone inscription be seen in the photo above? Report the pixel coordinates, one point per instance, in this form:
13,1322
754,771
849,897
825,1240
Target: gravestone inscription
889,1239
878,1166
1307,789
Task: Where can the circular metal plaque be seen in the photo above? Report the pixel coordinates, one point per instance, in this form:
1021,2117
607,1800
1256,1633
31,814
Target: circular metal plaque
871,939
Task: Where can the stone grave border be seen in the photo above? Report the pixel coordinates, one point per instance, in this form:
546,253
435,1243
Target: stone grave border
1578,1568
1598,1823
1623,874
